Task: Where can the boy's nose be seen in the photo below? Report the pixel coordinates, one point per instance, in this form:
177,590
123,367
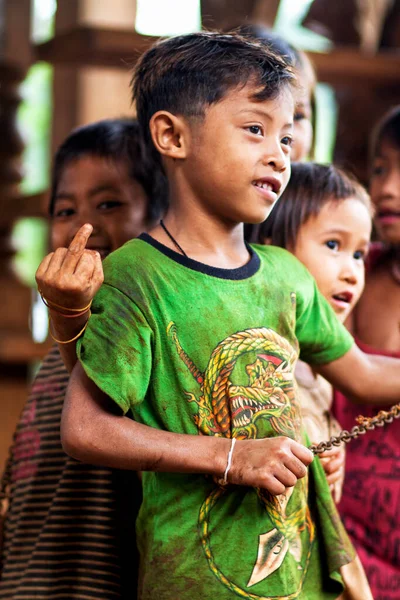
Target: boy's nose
276,158
278,163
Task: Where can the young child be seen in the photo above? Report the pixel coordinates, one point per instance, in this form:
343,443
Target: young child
370,504
197,333
324,218
68,525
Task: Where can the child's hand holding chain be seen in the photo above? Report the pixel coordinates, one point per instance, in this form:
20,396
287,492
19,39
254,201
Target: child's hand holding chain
273,464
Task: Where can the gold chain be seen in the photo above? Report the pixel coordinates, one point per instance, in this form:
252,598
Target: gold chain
364,424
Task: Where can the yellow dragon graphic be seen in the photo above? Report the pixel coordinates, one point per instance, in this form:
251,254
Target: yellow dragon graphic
229,410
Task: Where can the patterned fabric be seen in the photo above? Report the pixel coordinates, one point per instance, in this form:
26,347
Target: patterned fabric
63,537
370,506
316,396
201,350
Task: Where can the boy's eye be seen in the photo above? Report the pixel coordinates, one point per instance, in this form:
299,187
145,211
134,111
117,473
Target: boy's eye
109,204
287,140
255,129
64,212
299,116
332,244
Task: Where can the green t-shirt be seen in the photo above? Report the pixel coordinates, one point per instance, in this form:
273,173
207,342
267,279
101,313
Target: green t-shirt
194,349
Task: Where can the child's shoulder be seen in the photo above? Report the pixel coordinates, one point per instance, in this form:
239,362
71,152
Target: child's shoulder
132,253
280,258
129,267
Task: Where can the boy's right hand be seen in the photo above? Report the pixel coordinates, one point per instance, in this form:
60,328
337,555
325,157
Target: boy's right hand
71,276
273,464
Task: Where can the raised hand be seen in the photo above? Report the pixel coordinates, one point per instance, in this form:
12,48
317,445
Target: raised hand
71,276
272,463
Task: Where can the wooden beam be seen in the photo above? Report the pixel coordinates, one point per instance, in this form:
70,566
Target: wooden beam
351,66
223,14
23,206
19,348
85,46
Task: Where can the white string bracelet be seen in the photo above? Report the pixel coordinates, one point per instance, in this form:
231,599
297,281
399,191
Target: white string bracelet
224,481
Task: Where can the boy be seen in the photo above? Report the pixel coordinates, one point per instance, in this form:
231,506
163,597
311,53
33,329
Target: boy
197,333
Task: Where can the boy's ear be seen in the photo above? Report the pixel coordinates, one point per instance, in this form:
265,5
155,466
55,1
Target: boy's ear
170,134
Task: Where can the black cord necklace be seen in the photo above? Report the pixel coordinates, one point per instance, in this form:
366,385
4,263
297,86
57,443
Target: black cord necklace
173,240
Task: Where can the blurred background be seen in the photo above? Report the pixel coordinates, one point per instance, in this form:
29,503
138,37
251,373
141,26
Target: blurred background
65,63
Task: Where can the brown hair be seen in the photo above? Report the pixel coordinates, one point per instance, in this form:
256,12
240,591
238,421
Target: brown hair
186,74
310,188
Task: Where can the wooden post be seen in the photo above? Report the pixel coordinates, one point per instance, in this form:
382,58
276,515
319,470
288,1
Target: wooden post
14,61
15,305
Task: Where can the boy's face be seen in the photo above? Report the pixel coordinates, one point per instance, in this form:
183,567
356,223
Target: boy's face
238,161
333,246
101,192
385,192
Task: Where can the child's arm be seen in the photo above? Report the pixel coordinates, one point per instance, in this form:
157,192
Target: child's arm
91,431
365,378
70,277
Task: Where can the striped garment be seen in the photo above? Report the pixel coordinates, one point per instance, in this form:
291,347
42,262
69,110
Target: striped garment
63,536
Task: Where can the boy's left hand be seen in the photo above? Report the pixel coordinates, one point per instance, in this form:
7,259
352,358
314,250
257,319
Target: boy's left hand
333,462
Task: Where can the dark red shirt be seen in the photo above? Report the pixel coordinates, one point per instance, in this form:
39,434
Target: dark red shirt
370,506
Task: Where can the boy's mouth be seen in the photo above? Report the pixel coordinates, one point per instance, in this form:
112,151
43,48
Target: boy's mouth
343,299
268,186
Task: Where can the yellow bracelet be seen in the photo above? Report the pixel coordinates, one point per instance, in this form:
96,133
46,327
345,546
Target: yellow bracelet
72,339
53,305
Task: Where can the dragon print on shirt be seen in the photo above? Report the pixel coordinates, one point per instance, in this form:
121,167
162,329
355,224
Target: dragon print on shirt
247,391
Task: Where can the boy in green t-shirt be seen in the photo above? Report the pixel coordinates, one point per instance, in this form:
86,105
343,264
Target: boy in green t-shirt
196,335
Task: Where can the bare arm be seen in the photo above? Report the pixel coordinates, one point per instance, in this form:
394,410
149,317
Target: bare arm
91,431
70,277
365,378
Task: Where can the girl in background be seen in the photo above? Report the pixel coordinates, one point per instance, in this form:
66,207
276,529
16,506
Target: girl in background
371,498
324,219
69,526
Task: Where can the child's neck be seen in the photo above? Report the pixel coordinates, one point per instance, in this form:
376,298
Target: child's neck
203,237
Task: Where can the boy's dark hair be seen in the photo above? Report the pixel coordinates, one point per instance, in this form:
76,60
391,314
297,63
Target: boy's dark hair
117,140
188,73
386,130
310,188
276,42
